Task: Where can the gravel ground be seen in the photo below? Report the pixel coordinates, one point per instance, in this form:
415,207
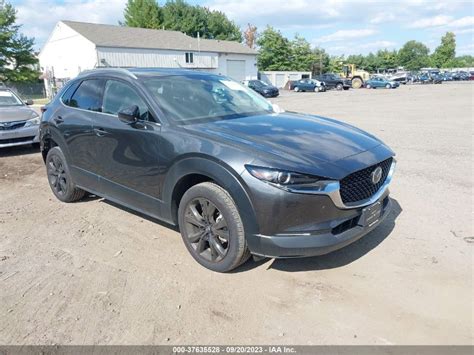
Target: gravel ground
94,273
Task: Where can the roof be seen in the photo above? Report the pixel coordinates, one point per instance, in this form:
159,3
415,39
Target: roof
143,72
133,37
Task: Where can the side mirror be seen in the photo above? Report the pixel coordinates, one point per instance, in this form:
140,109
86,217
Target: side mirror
29,102
277,109
129,115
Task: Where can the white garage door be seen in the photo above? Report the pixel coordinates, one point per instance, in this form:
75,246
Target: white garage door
236,69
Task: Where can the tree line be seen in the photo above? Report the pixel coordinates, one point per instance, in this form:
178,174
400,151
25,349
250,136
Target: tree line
278,53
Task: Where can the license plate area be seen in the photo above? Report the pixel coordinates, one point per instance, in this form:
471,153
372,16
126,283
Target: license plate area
371,215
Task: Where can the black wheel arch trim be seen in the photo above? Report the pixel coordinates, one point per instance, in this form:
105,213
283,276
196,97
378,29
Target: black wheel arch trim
221,174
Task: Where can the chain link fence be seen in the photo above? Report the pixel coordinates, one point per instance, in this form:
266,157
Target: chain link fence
28,90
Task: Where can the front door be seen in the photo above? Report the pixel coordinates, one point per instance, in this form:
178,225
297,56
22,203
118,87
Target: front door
128,153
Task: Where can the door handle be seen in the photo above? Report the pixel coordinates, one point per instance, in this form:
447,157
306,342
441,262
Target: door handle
99,131
58,119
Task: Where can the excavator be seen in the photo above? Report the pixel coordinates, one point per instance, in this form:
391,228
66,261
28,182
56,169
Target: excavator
357,76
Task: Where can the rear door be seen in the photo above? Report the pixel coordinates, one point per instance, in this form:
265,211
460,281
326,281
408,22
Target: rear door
73,122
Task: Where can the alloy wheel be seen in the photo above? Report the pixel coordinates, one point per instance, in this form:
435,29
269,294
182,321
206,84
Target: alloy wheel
206,230
57,175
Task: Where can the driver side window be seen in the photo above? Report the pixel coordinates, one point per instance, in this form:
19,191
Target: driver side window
118,96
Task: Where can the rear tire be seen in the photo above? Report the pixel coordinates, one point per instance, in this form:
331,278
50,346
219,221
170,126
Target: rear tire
368,86
211,228
296,89
59,177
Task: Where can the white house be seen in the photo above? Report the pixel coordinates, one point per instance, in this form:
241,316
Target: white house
76,46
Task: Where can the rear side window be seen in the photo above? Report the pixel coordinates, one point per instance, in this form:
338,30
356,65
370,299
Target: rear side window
88,96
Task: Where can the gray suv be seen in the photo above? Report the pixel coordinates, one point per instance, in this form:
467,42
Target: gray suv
205,153
19,124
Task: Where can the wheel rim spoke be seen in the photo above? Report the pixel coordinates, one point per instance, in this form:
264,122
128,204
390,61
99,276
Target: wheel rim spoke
223,234
216,247
206,230
196,237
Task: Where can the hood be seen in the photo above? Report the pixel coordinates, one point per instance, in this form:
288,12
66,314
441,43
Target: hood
16,113
295,137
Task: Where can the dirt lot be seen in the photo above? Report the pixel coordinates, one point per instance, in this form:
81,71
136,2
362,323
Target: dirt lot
93,273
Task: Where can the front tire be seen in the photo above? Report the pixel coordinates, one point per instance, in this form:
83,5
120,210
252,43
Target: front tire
59,177
357,83
339,87
211,228
388,86
368,86
296,89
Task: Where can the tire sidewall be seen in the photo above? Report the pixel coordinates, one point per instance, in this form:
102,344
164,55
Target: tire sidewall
388,86
339,87
234,225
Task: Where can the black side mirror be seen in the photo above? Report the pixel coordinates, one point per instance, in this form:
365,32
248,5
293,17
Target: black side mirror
29,102
129,115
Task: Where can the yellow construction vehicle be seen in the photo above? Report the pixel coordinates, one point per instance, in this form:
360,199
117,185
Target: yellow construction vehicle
358,77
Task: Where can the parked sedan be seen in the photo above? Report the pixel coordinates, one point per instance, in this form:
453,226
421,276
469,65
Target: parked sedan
209,155
264,89
19,124
379,82
304,85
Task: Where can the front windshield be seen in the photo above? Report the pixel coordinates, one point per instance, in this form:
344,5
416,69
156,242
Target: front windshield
197,98
7,98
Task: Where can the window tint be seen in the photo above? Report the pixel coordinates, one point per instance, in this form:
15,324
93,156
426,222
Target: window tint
66,98
88,95
118,96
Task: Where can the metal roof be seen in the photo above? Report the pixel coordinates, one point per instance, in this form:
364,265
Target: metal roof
132,37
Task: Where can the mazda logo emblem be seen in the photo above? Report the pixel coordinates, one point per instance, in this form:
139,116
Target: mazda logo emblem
376,175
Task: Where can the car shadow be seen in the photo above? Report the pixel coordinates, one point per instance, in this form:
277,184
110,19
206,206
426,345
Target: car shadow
337,258
141,215
19,150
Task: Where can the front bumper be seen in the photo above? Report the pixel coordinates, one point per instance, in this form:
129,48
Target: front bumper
316,243
20,136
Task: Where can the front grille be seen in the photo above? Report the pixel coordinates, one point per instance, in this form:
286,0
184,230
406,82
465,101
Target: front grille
358,186
16,140
11,125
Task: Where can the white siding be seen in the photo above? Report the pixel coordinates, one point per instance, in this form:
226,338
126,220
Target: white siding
155,58
67,53
280,78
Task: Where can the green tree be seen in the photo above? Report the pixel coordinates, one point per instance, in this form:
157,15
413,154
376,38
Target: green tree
142,13
275,51
387,59
445,53
302,57
336,63
321,62
414,55
17,59
177,15
220,27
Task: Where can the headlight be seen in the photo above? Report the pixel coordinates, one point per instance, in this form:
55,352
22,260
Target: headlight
280,177
33,121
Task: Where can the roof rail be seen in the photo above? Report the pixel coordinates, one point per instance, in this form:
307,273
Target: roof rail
109,69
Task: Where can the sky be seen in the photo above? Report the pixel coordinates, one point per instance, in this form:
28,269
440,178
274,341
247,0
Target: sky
340,27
